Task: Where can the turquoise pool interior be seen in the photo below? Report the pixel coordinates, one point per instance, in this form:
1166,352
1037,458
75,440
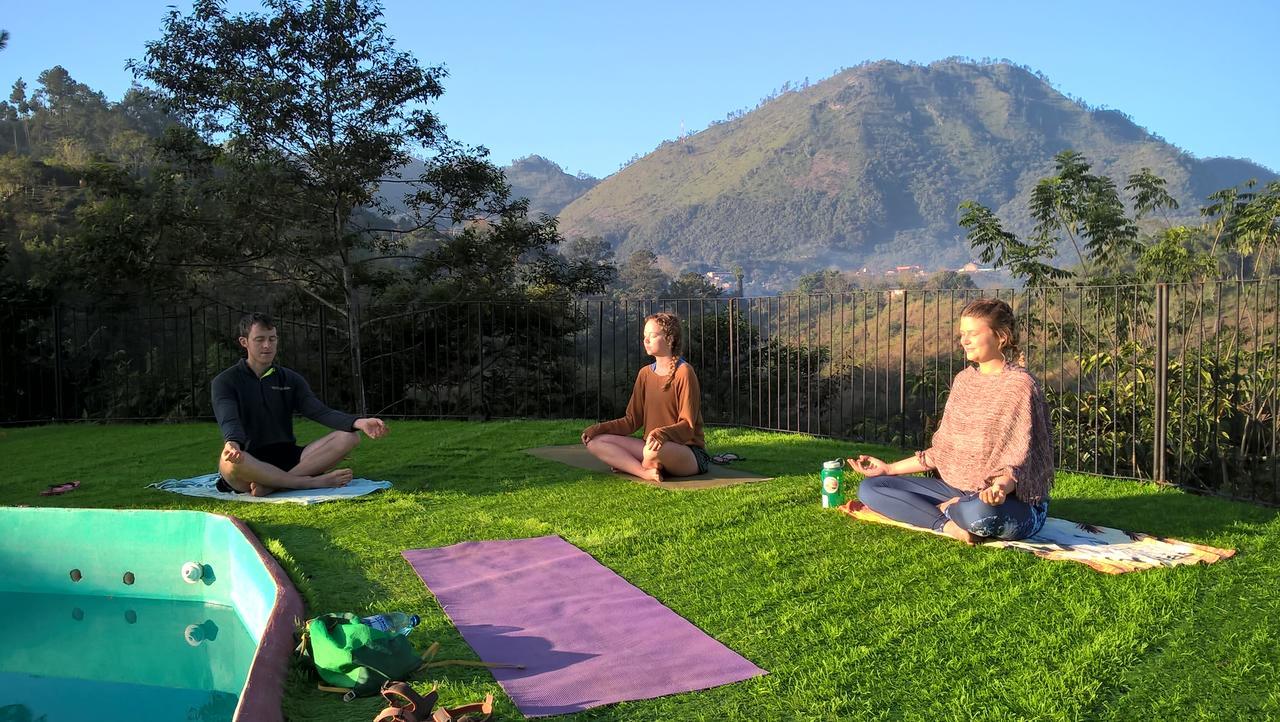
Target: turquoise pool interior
133,615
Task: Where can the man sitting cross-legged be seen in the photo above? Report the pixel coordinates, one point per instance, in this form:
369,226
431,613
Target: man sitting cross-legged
254,402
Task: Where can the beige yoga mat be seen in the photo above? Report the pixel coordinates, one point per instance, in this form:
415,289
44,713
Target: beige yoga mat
576,455
1107,550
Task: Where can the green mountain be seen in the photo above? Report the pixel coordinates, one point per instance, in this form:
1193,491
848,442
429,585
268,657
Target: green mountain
867,168
547,186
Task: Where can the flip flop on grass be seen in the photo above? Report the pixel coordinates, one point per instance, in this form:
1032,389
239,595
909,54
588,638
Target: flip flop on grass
56,489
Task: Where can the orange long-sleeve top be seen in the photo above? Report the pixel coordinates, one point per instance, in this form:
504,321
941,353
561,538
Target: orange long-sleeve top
672,415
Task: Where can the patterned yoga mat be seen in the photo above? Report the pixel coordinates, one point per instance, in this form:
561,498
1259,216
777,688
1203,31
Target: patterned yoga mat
586,636
1107,550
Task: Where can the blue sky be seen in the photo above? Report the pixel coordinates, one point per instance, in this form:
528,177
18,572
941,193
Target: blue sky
590,84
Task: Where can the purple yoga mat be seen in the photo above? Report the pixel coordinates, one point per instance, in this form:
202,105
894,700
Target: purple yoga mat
586,636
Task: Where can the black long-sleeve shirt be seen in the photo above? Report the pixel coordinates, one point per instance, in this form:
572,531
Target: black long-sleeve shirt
256,412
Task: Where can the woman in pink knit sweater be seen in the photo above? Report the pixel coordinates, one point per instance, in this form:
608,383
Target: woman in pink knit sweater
992,450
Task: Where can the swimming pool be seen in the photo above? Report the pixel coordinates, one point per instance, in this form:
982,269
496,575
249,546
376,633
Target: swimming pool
140,615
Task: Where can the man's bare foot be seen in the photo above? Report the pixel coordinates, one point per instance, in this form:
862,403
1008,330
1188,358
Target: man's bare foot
337,477
654,474
955,531
256,489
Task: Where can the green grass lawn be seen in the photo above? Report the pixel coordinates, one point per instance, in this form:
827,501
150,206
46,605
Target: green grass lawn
852,620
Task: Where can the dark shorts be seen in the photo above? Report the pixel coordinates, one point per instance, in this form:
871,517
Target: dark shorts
704,460
282,456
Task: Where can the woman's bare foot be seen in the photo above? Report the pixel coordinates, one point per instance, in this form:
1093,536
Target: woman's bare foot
654,474
337,477
256,489
955,531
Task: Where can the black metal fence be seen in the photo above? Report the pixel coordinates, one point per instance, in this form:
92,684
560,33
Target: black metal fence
1171,383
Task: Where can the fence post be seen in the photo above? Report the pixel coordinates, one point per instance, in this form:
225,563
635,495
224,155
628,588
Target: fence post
191,357
324,360
599,355
57,361
1160,378
902,372
733,360
484,407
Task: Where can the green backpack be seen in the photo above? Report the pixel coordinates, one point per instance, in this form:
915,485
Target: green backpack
350,654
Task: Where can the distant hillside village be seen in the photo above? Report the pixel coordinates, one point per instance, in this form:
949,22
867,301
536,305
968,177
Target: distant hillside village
970,275
970,268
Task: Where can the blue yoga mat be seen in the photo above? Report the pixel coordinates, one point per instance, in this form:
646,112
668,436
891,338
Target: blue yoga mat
206,486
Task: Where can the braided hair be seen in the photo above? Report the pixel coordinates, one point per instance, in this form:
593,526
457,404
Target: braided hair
669,323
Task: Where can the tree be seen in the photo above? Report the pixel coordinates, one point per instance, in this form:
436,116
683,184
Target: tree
1085,209
1221,213
692,285
591,255
1257,226
18,111
1088,211
1148,194
1003,249
592,249
950,281
828,281
76,114
313,100
17,98
1173,257
640,278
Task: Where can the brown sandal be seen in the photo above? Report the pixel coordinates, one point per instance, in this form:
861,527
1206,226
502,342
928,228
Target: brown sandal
475,712
407,705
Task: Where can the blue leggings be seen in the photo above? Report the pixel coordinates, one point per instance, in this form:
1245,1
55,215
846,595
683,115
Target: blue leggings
915,500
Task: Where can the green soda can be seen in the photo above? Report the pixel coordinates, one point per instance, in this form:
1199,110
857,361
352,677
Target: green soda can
832,484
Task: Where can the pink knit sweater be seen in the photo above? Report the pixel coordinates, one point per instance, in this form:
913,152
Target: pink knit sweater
994,424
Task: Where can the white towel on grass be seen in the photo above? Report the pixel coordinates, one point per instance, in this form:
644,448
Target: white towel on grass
206,486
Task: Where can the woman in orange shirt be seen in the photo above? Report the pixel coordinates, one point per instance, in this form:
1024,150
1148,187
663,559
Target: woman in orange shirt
666,403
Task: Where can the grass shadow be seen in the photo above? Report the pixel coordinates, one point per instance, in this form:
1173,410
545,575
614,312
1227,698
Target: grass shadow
1134,506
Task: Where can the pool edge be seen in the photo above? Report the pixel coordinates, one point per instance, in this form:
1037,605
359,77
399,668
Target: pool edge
263,693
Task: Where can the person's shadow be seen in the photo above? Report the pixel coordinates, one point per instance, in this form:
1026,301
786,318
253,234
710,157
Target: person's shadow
505,644
494,643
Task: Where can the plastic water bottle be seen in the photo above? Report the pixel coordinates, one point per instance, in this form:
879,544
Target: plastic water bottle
394,622
832,484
